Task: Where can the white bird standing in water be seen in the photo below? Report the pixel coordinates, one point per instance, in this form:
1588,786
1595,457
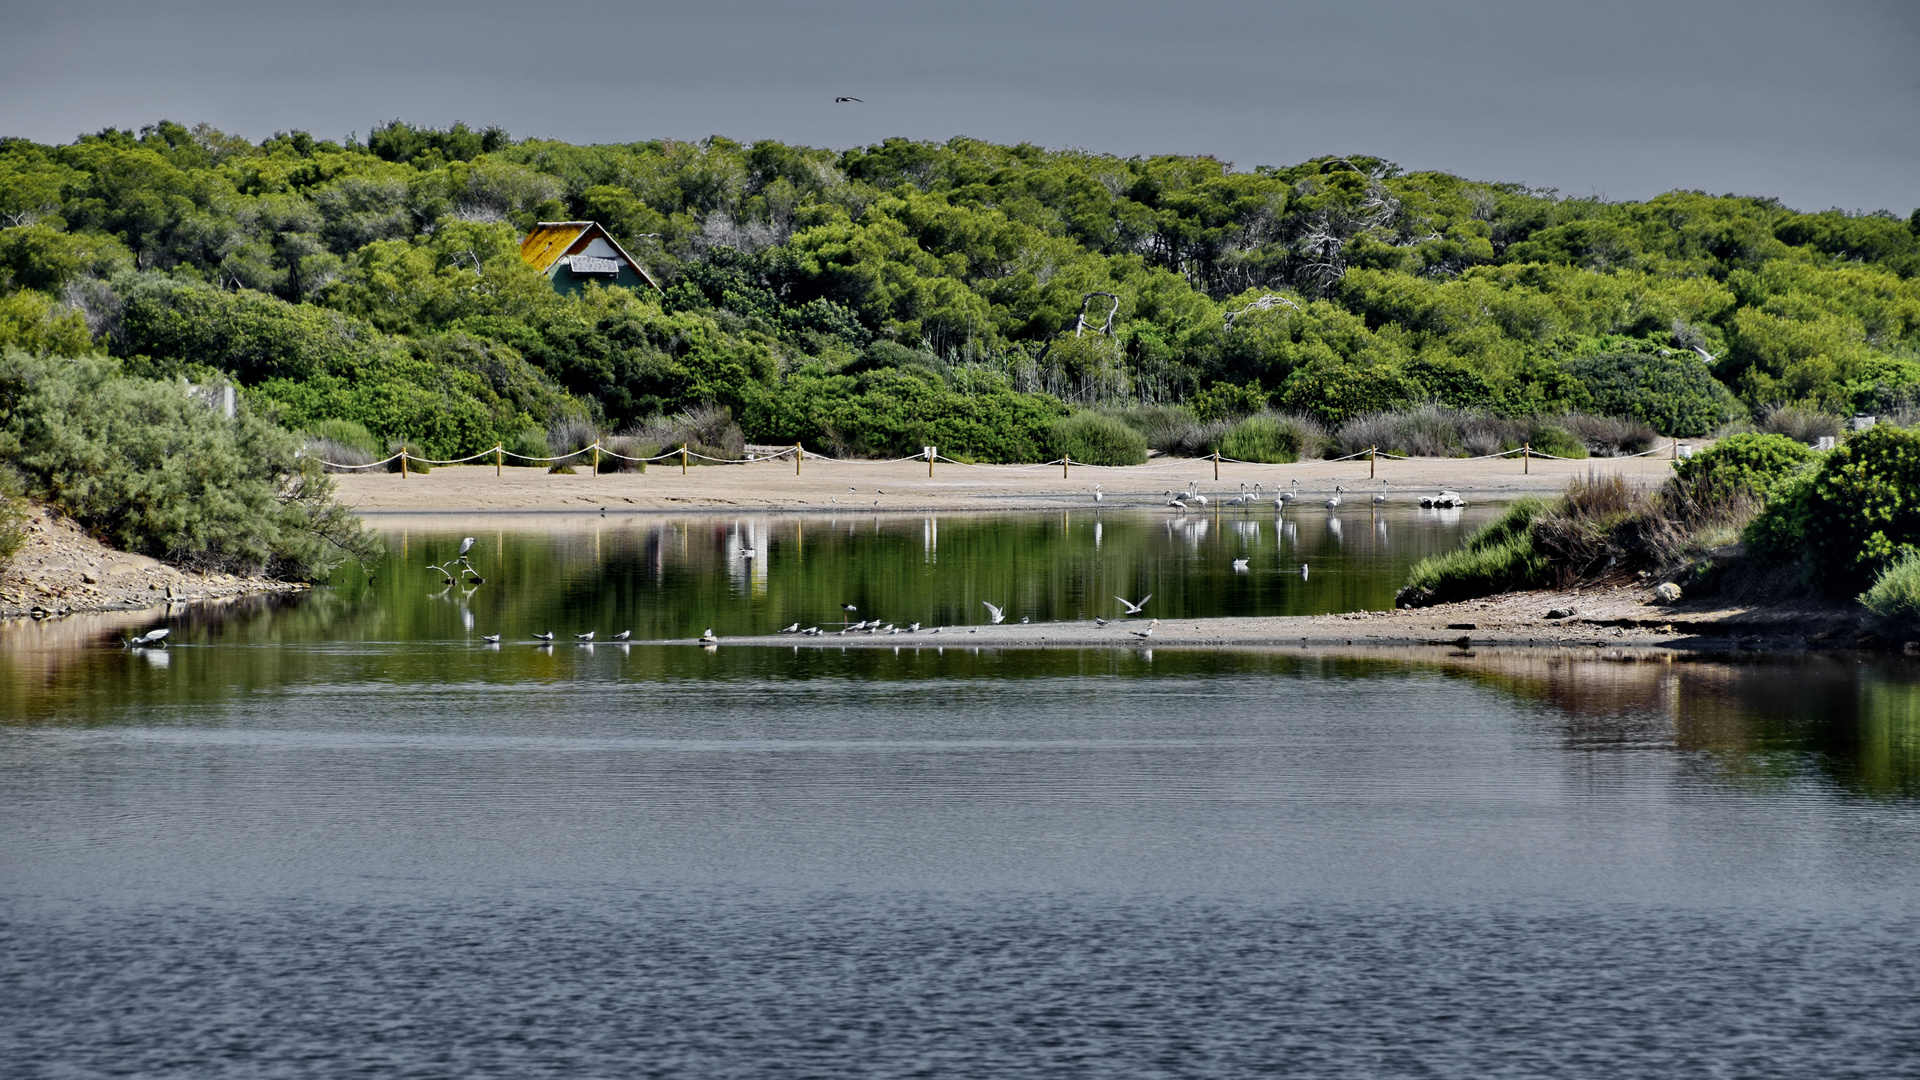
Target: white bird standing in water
1303,571
1334,503
1096,493
995,613
150,638
1380,499
1290,494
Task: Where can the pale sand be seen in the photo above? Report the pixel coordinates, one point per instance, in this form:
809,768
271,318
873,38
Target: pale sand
905,486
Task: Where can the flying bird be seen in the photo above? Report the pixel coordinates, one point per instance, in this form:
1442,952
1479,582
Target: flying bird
1133,608
844,100
996,613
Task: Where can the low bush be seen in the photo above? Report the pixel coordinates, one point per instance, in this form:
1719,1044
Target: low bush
1849,518
1498,558
627,453
346,433
1546,438
708,430
525,447
1752,463
1272,438
416,461
1097,439
155,471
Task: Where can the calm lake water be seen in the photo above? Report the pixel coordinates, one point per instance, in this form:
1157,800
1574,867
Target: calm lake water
339,837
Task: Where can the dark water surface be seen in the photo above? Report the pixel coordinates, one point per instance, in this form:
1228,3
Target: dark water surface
337,838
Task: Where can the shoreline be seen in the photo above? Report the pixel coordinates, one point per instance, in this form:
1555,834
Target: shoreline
828,486
62,572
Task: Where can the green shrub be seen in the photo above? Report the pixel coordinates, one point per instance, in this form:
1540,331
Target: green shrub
414,463
1851,517
1498,558
346,433
1270,439
1096,439
13,516
155,471
1173,429
1895,595
1675,393
527,443
1224,401
1553,439
1750,462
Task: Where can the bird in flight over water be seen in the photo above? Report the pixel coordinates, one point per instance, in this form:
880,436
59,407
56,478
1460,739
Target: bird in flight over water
844,100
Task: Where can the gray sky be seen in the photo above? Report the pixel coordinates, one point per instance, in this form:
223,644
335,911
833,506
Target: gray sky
1817,103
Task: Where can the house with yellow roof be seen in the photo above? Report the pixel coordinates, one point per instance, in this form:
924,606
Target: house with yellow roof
572,253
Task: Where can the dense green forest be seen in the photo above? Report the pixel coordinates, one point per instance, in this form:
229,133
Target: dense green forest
963,294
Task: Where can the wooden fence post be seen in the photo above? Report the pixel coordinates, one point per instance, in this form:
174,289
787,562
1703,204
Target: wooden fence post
498,456
1065,460
683,459
1216,464
1371,452
403,463
596,460
930,453
799,455
1526,458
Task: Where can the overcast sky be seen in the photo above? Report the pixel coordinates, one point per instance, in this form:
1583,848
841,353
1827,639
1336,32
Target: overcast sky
1817,103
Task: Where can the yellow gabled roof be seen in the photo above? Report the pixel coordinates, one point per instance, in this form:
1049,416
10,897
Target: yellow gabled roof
549,240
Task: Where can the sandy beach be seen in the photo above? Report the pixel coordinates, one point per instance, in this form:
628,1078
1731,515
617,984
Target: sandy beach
824,485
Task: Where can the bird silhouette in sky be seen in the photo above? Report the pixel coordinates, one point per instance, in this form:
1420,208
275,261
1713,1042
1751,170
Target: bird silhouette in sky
844,100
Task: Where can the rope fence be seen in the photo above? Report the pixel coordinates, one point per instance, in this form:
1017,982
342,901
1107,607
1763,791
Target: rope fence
930,454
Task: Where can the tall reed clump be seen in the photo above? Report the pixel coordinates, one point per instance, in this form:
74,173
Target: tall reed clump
1498,558
1093,438
1273,438
1442,431
1800,424
1895,594
708,430
342,443
1174,429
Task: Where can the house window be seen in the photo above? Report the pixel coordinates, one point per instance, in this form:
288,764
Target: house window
587,264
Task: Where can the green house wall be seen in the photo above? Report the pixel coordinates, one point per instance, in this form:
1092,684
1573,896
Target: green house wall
567,282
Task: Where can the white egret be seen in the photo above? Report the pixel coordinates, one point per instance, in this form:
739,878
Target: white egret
1133,608
150,638
1096,493
466,546
997,615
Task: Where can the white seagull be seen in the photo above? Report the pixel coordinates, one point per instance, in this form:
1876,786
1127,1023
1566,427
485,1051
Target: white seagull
996,613
1133,608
